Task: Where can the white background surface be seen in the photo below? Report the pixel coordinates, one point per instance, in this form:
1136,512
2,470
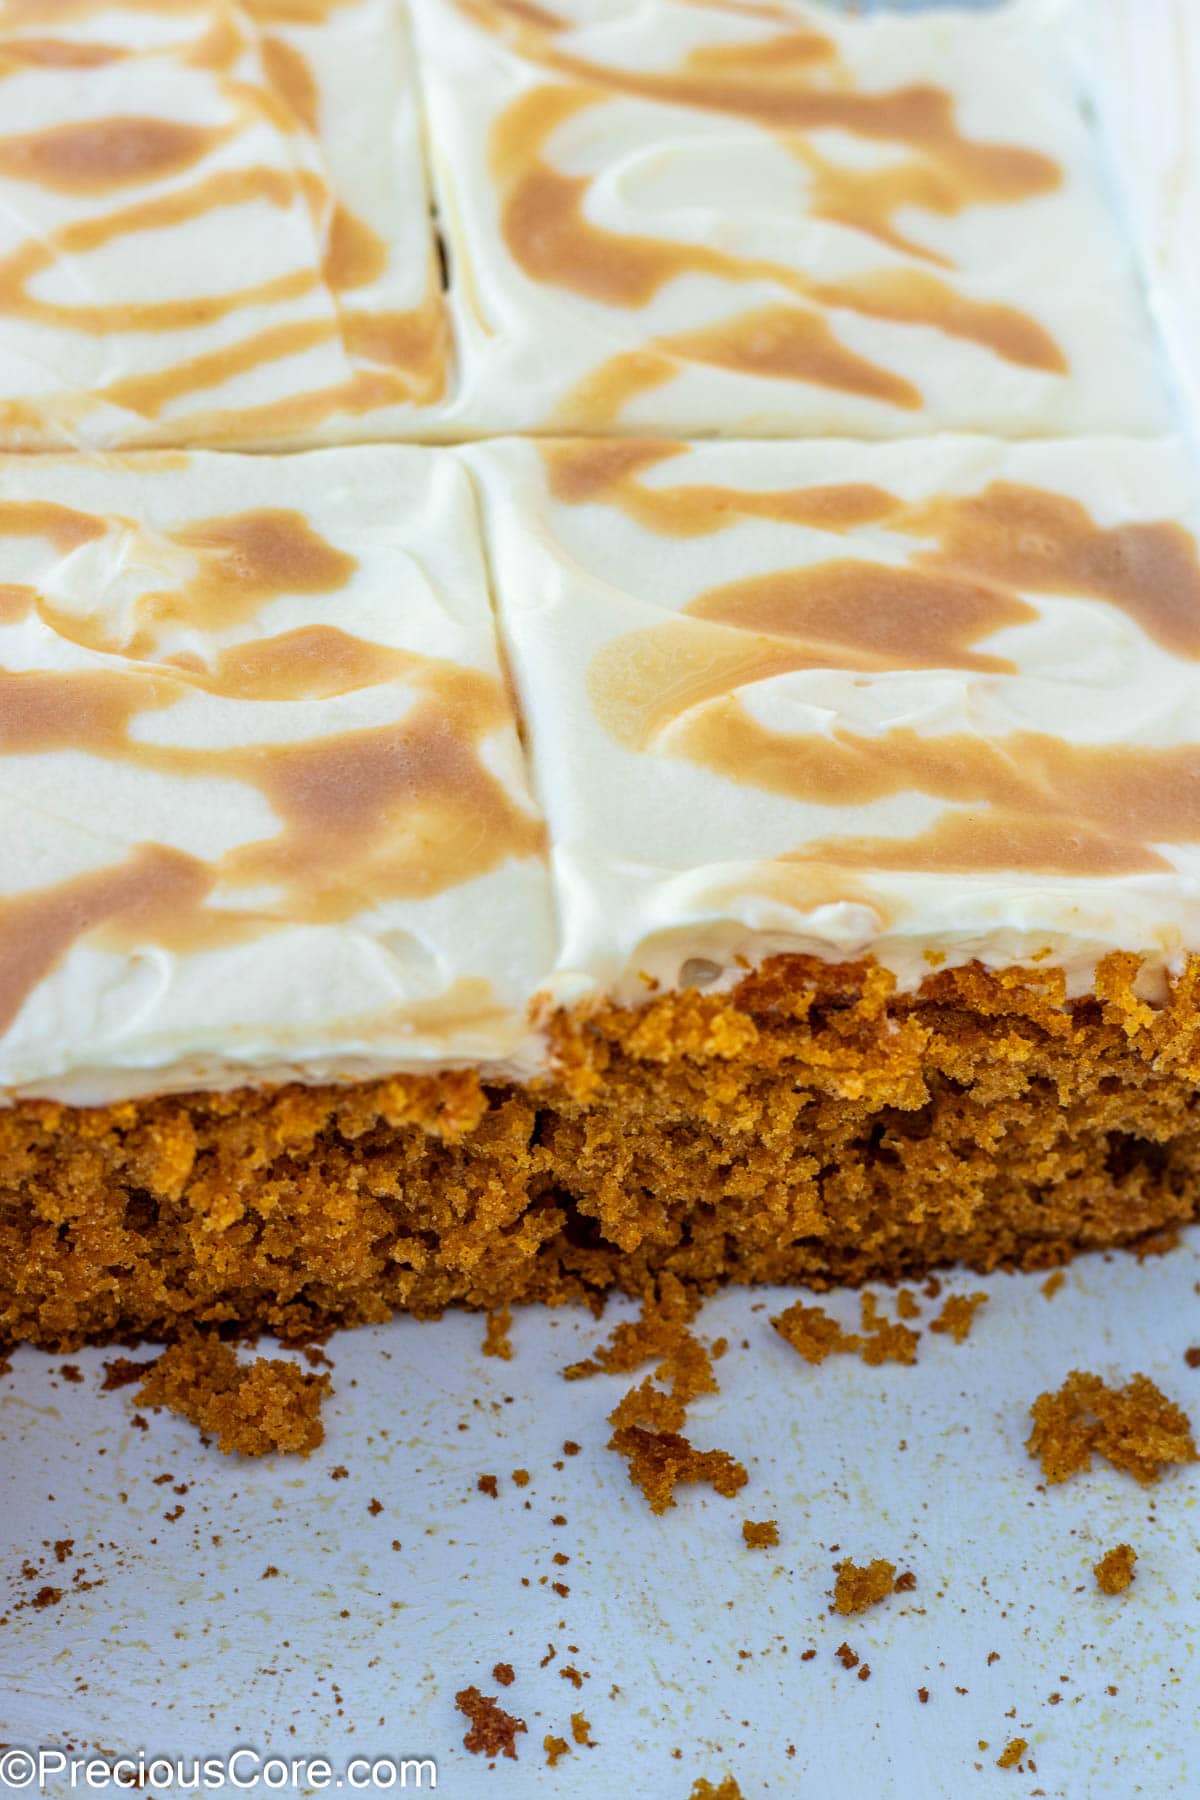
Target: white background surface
356,1648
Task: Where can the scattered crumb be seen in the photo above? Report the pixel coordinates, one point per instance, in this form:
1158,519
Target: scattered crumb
493,1731
885,1341
495,1337
923,1696
654,1335
122,1371
555,1747
726,1790
649,1406
761,1534
1191,1356
503,1673
249,1408
269,1573
374,1507
70,1372
581,1730
846,1656
570,1447
46,1596
520,1477
1052,1283
487,1484
1012,1753
660,1460
906,1304
858,1588
1114,1571
811,1332
958,1315
1135,1428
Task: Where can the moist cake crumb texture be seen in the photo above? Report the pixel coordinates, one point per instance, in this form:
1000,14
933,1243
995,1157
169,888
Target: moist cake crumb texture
805,1128
513,868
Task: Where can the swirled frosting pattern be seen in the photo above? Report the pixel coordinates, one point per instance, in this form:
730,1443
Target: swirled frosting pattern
932,701
774,220
263,811
214,225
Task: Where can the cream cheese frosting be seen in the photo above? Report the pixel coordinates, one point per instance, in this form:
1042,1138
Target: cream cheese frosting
930,701
214,225
263,810
779,220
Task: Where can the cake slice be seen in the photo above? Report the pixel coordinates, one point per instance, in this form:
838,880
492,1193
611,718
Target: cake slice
775,221
264,821
214,226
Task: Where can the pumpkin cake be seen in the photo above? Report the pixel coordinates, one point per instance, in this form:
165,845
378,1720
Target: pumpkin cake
472,875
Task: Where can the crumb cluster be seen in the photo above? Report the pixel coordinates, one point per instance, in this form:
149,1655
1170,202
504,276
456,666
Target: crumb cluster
249,1408
1134,1427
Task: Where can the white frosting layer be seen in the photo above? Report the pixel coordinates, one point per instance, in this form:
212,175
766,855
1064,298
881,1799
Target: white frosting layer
214,225
702,220
263,812
863,737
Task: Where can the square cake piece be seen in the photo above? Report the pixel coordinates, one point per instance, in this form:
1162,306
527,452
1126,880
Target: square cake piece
263,810
931,702
214,226
757,221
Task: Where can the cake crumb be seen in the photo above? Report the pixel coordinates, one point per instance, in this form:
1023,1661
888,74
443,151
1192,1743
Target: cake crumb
1191,1356
1053,1283
760,1534
487,1484
884,1340
1012,1753
811,1332
493,1731
122,1371
846,1656
251,1409
503,1673
1114,1571
581,1730
725,1790
496,1340
906,1304
857,1588
555,1747
659,1461
958,1315
664,1317
1135,1428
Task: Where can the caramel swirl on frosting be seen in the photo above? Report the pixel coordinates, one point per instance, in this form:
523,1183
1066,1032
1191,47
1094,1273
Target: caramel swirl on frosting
975,564
758,222
214,149
223,651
